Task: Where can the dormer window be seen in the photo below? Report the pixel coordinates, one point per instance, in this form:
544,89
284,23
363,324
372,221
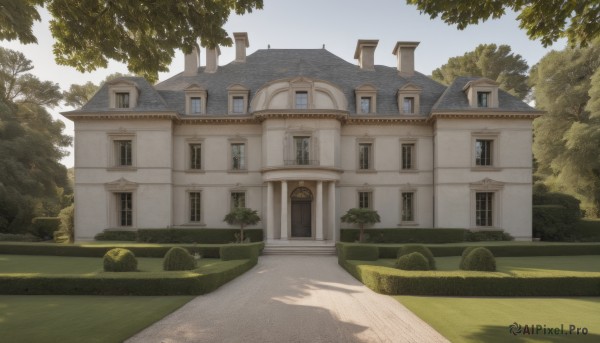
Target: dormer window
366,99
195,100
483,99
123,94
301,100
409,99
238,99
482,93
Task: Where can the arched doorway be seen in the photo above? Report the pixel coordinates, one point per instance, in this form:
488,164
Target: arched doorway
301,212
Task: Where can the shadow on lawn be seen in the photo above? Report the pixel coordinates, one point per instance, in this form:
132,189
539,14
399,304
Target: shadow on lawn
503,334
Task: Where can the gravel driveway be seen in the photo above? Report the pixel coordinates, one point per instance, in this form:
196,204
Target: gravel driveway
291,299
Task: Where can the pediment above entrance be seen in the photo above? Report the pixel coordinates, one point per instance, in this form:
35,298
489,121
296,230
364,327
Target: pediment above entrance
307,174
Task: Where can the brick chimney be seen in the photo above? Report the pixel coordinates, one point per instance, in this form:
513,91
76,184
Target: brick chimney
365,53
212,59
405,55
241,43
192,62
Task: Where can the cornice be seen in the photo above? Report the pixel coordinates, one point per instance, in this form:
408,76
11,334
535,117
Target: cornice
386,120
301,114
489,114
76,115
208,119
303,168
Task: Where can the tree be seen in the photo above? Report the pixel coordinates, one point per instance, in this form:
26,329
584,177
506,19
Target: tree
497,63
144,34
32,181
242,216
567,138
547,20
361,217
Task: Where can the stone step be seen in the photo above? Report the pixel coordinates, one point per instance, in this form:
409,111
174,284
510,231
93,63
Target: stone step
298,250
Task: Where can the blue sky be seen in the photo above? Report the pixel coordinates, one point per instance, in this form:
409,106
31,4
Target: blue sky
311,23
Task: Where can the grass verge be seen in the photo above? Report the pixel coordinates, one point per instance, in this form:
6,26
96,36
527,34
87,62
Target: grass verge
77,319
462,319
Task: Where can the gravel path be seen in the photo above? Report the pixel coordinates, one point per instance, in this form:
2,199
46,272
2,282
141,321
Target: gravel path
291,299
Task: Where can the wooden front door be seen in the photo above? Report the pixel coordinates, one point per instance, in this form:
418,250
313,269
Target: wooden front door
301,219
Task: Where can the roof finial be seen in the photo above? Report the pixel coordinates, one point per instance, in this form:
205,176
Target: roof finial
323,46
268,46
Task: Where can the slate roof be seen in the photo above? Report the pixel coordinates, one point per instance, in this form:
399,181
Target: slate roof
266,65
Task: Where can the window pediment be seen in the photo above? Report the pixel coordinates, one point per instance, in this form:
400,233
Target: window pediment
123,94
487,184
409,99
120,185
482,93
366,99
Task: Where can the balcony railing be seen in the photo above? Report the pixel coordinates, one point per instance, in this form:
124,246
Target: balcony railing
301,162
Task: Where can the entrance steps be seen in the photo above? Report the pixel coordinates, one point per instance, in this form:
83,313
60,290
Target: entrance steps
299,247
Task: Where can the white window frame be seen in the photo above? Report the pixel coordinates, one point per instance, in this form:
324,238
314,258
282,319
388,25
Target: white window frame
200,221
238,91
244,167
195,91
414,159
113,190
114,153
301,91
366,91
370,141
237,191
492,136
487,186
409,91
413,191
122,86
371,197
188,154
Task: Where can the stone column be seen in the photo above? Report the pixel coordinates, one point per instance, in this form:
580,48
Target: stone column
319,212
332,215
284,210
270,212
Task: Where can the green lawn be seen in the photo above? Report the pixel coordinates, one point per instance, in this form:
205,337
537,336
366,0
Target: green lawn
76,265
466,319
89,319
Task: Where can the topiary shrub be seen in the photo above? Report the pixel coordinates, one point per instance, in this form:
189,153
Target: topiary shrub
120,260
360,252
480,259
178,259
464,254
412,261
423,250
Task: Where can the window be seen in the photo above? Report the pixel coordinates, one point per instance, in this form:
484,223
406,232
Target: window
122,100
364,156
484,202
301,100
123,153
302,145
408,106
238,104
195,105
238,200
195,207
125,209
365,105
364,200
483,99
238,156
196,156
408,156
483,152
408,206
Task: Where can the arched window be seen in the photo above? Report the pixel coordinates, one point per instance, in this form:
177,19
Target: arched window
302,194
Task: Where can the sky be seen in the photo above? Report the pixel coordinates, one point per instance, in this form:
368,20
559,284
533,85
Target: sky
307,24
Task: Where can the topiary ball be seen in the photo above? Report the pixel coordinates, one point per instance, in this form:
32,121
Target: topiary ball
178,259
423,250
464,254
480,259
120,260
412,261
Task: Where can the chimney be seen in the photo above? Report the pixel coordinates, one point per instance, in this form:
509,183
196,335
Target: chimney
365,53
405,54
192,62
212,59
241,43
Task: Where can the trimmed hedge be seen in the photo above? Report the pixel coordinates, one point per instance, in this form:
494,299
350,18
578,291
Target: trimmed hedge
465,283
359,252
412,261
203,236
406,235
178,258
239,251
44,227
487,236
480,259
128,283
119,260
114,235
17,237
421,249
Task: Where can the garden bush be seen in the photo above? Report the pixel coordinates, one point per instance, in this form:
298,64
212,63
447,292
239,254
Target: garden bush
480,259
116,235
464,255
178,258
119,260
412,261
487,236
423,250
202,236
423,235
44,227
16,237
239,252
363,252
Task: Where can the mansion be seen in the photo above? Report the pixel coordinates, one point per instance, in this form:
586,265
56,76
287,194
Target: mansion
301,136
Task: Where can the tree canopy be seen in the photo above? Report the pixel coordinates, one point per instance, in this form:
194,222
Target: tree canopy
143,34
497,63
361,217
567,138
32,181
242,216
546,20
